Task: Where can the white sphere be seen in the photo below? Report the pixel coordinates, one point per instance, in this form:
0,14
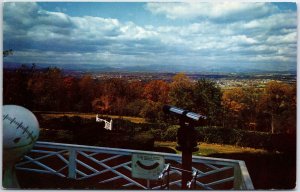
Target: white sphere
20,132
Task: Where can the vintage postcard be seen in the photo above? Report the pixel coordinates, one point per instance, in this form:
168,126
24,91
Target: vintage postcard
149,95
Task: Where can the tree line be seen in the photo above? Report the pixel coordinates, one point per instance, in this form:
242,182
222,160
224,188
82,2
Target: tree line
270,109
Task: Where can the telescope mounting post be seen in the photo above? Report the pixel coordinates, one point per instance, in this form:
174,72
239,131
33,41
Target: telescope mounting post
186,139
187,144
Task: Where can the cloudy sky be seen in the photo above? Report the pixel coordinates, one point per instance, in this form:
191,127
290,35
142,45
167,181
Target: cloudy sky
197,34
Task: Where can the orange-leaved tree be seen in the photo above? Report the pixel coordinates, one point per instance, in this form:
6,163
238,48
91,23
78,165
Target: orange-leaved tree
157,91
181,91
279,101
232,101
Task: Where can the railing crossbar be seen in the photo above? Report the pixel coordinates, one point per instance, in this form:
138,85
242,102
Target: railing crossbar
43,166
127,178
177,182
103,160
44,151
127,167
81,173
93,154
199,171
212,166
175,171
220,181
111,179
115,167
86,166
203,185
116,172
213,171
39,158
181,170
128,184
215,161
37,170
62,168
100,163
174,182
62,158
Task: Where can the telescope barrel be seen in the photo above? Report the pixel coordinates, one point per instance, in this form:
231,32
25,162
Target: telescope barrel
183,113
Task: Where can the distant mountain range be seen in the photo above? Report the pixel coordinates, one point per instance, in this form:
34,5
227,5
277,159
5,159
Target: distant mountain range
153,68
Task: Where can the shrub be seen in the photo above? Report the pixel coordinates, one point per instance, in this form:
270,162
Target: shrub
280,142
171,133
141,136
143,141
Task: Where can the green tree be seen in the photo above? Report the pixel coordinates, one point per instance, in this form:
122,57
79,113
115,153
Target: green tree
251,100
47,89
15,90
207,101
86,92
153,112
135,107
70,94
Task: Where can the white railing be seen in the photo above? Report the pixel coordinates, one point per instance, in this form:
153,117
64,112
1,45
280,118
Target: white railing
111,165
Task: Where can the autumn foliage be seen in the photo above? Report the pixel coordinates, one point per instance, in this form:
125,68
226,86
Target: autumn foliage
270,109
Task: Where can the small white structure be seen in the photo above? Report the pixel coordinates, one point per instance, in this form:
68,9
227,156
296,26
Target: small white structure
108,125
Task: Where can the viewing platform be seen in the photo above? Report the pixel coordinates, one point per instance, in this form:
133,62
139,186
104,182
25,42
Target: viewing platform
110,168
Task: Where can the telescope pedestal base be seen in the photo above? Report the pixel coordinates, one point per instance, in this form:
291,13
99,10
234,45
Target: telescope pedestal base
186,165
10,180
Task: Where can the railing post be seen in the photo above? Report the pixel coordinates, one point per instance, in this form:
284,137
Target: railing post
246,182
72,163
148,184
237,177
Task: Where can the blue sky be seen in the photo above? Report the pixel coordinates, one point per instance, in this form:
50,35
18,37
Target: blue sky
192,35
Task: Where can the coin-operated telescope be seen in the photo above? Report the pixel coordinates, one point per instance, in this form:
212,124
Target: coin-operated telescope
186,138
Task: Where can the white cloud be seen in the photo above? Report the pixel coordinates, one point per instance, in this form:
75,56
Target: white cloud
282,39
132,31
217,10
251,32
274,21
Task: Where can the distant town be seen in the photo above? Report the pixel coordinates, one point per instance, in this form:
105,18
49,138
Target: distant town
224,81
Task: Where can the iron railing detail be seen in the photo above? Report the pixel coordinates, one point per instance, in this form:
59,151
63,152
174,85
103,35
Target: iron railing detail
113,166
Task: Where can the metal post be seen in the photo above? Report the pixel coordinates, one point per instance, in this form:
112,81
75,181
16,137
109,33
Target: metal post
237,178
186,145
186,166
195,175
72,163
168,177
